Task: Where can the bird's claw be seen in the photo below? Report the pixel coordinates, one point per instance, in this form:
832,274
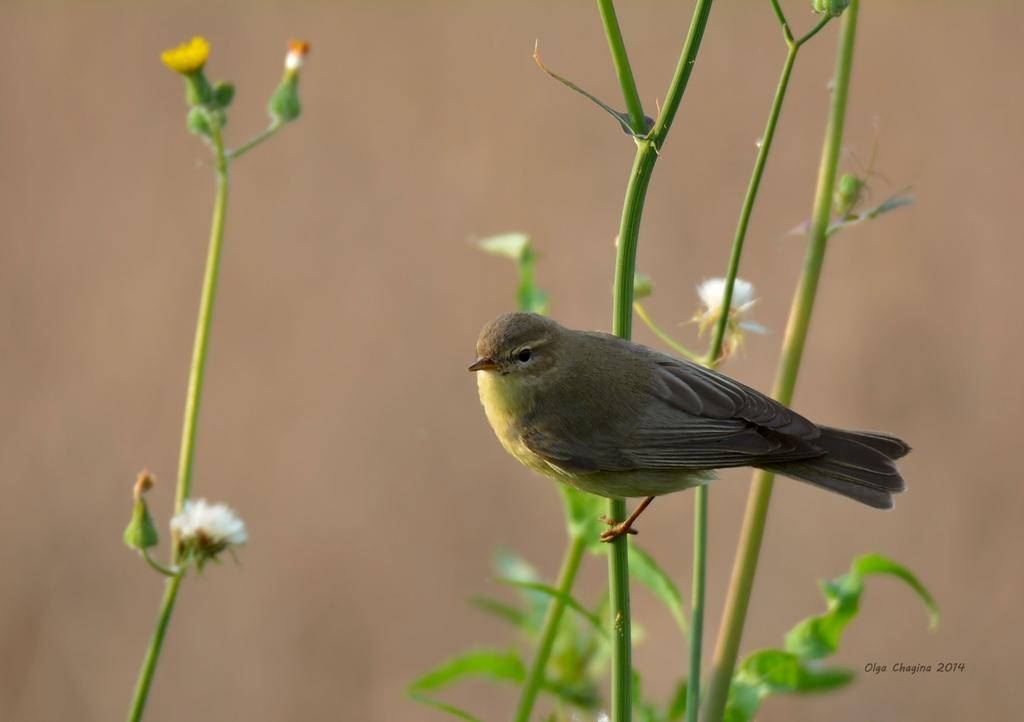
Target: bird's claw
616,529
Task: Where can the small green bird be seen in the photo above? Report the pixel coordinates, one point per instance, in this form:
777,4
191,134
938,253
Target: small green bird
614,418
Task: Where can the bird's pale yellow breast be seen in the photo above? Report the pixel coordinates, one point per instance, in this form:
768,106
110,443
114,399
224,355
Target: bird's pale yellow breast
504,401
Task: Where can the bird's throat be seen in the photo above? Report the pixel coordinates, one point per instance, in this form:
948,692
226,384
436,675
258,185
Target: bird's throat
505,401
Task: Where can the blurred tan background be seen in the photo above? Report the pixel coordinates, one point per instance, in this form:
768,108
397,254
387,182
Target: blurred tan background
339,418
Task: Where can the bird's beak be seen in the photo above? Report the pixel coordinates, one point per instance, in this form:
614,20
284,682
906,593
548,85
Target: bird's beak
483,364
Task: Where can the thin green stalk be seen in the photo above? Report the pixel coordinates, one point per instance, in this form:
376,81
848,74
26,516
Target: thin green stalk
700,543
634,108
618,556
552,618
718,334
157,566
153,652
622,323
687,59
715,350
202,337
660,333
793,346
263,135
188,435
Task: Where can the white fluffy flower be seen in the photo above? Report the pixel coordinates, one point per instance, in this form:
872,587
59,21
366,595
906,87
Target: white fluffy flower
711,293
712,290
204,529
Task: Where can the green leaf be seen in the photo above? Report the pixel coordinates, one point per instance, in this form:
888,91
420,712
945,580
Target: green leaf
773,671
531,299
819,636
643,711
508,612
444,707
509,565
582,513
505,666
677,706
516,246
643,567
852,219
511,245
869,564
550,591
584,695
621,118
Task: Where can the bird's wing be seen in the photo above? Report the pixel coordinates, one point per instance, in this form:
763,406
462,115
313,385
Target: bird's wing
570,455
694,418
698,418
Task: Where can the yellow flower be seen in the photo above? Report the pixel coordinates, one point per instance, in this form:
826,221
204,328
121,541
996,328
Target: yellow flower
187,57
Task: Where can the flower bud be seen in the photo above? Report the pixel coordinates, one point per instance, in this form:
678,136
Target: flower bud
832,8
642,286
284,105
141,532
848,193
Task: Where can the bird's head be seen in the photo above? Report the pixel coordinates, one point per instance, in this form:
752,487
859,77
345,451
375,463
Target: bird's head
517,345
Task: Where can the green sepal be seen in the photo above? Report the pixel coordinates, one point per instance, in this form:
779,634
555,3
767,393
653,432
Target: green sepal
197,121
284,105
198,90
141,532
223,93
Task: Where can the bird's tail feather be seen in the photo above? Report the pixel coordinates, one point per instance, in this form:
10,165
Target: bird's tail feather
856,464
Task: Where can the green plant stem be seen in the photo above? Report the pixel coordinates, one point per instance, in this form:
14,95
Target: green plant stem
745,565
700,542
719,331
622,325
188,435
157,566
715,351
566,578
153,652
681,77
202,337
634,108
660,333
263,135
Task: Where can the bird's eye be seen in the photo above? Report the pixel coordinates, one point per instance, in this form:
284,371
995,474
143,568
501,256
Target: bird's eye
524,355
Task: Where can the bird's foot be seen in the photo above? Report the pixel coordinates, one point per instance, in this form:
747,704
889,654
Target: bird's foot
616,529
